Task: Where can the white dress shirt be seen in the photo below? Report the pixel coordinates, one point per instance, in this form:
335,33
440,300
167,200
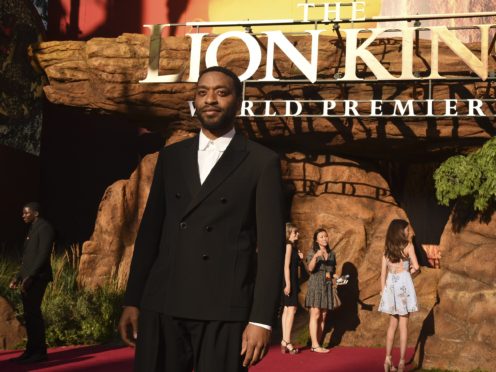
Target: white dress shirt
209,152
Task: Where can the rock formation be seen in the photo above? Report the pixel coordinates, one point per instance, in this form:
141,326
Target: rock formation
12,333
107,255
465,319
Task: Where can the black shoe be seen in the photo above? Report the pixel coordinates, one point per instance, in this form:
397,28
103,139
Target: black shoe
21,357
34,358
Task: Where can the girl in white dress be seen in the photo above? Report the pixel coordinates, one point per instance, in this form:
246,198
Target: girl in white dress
398,297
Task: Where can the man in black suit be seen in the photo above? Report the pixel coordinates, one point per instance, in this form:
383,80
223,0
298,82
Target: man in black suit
32,279
206,272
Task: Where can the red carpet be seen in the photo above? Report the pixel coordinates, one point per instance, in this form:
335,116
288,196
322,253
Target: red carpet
105,359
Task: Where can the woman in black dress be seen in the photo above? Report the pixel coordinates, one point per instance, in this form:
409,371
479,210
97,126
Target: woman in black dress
291,288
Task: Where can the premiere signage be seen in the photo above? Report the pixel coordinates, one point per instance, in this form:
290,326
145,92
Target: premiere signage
354,47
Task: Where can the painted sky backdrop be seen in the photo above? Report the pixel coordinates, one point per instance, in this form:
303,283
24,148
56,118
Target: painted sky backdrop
89,18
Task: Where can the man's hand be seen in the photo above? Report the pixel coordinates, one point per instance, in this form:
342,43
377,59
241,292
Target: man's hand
26,284
254,345
13,284
129,321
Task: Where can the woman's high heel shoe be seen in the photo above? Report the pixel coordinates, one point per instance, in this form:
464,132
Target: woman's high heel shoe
287,347
401,365
388,365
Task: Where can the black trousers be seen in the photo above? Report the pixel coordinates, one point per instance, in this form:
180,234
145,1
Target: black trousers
35,326
169,344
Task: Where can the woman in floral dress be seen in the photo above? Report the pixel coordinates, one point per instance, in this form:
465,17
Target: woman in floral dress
398,297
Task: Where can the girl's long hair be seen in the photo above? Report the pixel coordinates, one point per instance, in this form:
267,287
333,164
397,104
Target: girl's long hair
315,245
396,240
289,229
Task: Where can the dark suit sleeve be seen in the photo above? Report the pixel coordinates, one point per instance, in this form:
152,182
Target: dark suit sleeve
45,243
147,242
270,243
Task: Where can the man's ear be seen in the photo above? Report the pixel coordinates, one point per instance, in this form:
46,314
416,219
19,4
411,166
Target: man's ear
36,213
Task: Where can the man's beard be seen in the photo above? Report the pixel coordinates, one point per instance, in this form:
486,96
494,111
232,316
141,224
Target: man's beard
224,121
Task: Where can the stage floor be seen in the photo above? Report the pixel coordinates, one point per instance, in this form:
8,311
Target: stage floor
108,359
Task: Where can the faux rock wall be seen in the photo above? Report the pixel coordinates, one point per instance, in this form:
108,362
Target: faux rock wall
465,319
108,253
12,332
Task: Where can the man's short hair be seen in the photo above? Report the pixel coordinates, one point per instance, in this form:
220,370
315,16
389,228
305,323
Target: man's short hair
237,83
34,206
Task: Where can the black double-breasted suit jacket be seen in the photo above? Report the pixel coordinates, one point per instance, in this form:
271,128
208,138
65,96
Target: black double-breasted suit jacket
211,251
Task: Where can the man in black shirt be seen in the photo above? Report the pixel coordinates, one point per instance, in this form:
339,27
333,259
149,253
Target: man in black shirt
32,280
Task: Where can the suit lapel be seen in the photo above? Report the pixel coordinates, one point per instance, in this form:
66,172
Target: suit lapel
229,161
190,167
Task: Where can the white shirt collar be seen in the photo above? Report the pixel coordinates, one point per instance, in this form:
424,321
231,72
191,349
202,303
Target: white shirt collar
220,143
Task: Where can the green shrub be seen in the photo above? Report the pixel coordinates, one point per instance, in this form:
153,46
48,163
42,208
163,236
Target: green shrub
73,316
8,268
471,178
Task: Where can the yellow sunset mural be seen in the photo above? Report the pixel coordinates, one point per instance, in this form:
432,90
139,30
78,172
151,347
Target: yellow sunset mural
224,10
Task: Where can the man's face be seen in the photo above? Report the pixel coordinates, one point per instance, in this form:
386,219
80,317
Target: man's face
216,101
28,215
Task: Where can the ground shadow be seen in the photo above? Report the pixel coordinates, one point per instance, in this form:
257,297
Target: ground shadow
463,213
426,331
175,10
117,19
346,317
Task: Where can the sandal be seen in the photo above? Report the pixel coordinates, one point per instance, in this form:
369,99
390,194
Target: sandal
287,347
388,364
319,349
